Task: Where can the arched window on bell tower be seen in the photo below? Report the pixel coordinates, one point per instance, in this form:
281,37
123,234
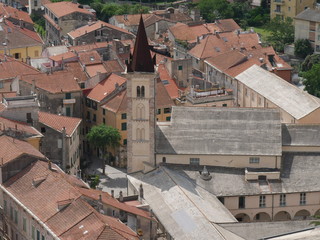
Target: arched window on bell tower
142,91
140,111
138,91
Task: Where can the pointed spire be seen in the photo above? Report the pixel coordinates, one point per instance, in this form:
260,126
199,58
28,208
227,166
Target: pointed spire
141,60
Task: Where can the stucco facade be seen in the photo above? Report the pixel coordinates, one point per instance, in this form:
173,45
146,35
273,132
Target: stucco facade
289,8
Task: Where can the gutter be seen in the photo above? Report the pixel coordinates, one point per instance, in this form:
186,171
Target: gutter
30,212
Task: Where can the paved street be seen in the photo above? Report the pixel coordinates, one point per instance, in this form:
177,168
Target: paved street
114,178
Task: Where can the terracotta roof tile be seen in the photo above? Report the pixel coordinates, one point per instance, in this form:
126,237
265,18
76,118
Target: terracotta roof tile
236,70
93,70
64,8
57,122
113,66
131,19
109,200
12,148
227,25
168,82
105,87
90,57
92,27
77,71
118,103
7,124
65,56
12,68
57,82
89,47
8,11
162,97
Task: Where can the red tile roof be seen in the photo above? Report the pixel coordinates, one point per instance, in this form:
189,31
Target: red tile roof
8,11
109,200
113,66
105,87
11,68
24,34
227,25
93,70
77,220
163,100
61,9
65,56
77,71
89,47
131,19
118,103
57,122
16,126
12,148
171,86
92,27
89,58
57,82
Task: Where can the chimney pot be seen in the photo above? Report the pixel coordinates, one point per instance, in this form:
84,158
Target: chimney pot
120,196
112,193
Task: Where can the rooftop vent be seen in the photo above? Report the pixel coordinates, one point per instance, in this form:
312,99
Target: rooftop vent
204,174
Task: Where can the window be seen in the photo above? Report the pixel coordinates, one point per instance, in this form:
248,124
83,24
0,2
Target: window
289,8
123,116
224,105
11,212
124,141
94,105
282,200
180,67
17,55
123,126
82,85
252,96
36,4
104,121
318,37
43,237
68,111
164,160
33,233
167,110
24,226
15,216
278,8
103,111
246,91
259,100
38,235
242,202
302,198
43,130
254,160
262,201
68,95
168,119
194,161
221,199
5,206
88,115
159,111
1,84
138,91
142,91
94,118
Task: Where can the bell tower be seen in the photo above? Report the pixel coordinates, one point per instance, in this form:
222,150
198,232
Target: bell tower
141,78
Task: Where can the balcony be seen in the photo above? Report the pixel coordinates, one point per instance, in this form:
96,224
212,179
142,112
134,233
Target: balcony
278,2
69,101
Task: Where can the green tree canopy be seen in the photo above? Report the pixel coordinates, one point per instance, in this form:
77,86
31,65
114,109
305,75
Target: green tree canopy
309,61
215,9
312,80
302,48
282,33
102,137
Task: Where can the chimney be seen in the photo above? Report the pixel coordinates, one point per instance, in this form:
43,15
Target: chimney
112,193
49,165
120,196
204,174
100,197
21,23
33,87
116,85
141,192
198,39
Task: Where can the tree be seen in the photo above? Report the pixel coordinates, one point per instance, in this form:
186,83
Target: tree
302,48
282,33
309,61
104,137
215,9
312,80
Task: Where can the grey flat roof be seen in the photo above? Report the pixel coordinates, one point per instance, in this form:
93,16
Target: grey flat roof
220,131
300,135
185,210
309,15
261,230
299,173
288,97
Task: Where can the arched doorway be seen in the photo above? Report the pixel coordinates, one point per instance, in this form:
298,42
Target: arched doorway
262,217
302,215
282,216
242,217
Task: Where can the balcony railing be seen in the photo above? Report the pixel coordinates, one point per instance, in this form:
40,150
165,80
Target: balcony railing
69,101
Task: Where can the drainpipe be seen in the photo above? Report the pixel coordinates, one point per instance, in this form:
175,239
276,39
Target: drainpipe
64,149
272,207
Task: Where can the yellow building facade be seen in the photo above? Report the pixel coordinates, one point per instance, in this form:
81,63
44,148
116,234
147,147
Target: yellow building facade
289,8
